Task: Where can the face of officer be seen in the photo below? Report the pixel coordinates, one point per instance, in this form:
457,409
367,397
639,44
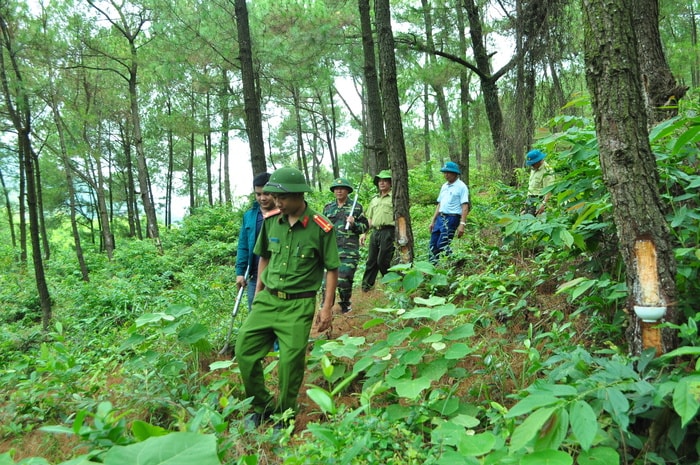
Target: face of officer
341,194
291,204
264,199
384,185
450,177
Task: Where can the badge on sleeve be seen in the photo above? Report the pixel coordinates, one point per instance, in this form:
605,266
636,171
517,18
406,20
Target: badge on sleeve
323,223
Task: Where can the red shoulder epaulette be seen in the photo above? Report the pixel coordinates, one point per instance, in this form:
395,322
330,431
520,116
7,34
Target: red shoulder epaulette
323,222
274,212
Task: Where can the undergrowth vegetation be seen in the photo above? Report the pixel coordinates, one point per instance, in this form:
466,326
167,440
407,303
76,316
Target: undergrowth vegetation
511,350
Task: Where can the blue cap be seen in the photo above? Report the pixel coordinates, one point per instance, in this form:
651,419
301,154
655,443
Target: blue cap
534,156
451,167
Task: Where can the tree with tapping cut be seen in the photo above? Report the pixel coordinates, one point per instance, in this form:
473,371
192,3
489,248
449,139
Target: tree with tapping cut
627,162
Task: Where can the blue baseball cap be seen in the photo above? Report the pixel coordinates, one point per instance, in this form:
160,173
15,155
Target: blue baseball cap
451,167
534,156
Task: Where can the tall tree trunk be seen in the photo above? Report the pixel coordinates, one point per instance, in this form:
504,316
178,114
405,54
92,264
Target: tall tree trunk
253,115
225,124
40,208
376,141
8,209
18,107
190,174
489,90
463,161
439,90
661,90
130,186
69,183
627,163
169,174
142,167
208,150
394,131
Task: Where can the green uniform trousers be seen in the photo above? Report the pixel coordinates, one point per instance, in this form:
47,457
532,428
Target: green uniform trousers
290,322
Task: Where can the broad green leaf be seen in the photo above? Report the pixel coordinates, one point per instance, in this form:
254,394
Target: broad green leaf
686,398
457,351
461,332
173,449
435,337
148,318
372,323
527,430
466,421
324,433
547,457
412,357
690,135
142,430
598,456
425,267
322,398
220,365
430,302
412,280
447,432
178,310
531,403
617,405
554,431
584,423
477,444
410,388
193,333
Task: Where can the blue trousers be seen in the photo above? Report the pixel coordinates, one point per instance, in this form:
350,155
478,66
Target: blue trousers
440,238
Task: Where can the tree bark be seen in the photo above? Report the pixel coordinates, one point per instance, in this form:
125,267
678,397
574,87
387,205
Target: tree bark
376,140
464,103
253,115
18,107
661,90
394,131
8,209
627,163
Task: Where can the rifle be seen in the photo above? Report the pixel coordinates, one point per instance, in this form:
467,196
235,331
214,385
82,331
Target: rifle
234,312
354,203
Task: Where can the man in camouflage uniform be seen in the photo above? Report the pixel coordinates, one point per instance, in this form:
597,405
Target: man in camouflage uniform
342,214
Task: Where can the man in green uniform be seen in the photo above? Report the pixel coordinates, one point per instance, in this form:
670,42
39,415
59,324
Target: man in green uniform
380,215
294,246
541,177
349,222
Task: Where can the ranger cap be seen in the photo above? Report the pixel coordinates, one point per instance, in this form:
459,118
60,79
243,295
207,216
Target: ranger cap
341,182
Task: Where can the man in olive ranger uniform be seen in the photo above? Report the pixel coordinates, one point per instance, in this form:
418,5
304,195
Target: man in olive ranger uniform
294,246
349,223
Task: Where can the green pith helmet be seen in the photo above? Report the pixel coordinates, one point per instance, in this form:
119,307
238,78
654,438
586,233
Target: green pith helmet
341,182
383,174
286,180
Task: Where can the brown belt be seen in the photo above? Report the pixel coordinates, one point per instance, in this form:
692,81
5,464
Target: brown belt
289,296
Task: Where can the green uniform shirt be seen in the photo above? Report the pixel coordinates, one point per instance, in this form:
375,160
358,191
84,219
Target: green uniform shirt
348,239
297,254
380,211
540,179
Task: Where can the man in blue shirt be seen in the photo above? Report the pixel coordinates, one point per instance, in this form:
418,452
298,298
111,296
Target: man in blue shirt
252,221
451,212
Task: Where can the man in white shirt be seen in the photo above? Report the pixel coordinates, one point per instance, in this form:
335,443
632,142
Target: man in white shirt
451,212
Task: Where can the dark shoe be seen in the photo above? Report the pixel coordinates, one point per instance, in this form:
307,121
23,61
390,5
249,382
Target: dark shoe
345,309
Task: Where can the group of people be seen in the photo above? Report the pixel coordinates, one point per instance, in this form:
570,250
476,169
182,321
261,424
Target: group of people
285,246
